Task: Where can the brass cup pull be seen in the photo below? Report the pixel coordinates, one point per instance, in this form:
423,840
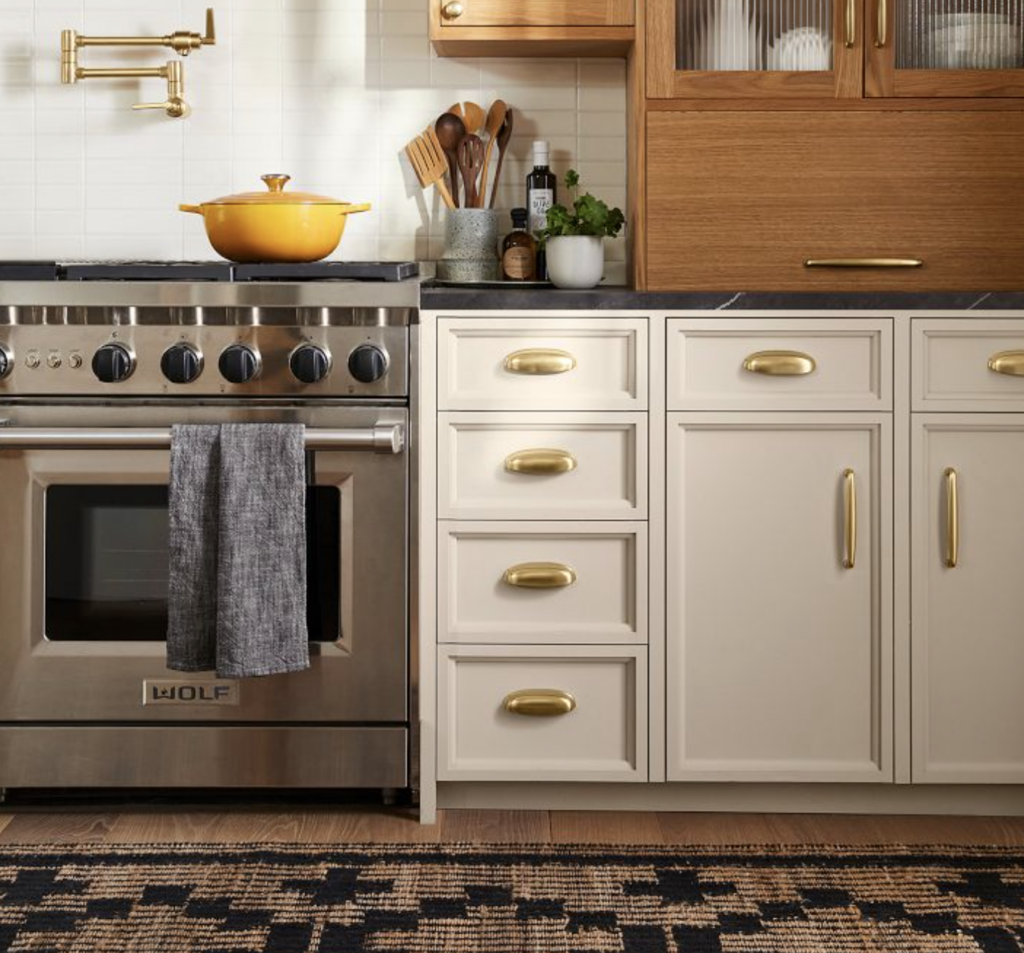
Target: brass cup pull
1010,363
539,576
540,360
539,702
452,10
849,519
850,24
863,263
882,27
780,363
540,462
952,519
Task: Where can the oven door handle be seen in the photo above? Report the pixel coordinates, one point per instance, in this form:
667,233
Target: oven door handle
382,438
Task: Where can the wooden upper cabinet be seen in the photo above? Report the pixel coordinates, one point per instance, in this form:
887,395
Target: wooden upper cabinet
532,27
807,49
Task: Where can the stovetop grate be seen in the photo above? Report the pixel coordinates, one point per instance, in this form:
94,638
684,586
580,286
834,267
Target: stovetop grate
206,271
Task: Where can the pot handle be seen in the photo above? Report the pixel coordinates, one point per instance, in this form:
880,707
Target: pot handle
194,209
352,209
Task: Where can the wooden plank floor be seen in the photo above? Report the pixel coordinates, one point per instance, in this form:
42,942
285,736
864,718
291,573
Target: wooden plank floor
334,825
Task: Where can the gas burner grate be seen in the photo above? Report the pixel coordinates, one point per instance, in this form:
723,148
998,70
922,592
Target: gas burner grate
28,271
328,271
145,270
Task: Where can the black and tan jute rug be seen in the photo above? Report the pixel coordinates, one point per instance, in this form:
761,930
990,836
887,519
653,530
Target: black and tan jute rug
469,899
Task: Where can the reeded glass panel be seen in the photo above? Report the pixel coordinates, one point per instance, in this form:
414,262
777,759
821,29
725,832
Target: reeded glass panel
788,35
960,34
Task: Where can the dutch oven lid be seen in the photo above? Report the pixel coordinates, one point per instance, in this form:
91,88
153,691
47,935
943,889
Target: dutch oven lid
276,195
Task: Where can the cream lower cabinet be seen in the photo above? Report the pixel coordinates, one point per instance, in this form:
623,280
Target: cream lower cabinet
779,582
968,594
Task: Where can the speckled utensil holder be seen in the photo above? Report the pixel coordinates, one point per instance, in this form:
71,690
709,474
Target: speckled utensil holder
470,245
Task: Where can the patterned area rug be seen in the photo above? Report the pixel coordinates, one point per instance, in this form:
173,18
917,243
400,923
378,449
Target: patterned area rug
463,899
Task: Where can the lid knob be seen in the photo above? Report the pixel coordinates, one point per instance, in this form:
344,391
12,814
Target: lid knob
276,181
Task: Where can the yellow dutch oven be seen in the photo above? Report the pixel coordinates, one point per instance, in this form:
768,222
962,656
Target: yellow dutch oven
275,225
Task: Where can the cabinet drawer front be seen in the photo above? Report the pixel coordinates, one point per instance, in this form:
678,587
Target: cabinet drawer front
765,192
537,13
968,364
769,364
542,582
542,364
603,476
603,737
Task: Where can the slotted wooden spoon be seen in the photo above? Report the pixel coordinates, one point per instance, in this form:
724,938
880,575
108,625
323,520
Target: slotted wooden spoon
430,163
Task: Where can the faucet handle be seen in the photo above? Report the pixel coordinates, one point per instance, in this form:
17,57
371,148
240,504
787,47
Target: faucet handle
175,107
210,39
184,41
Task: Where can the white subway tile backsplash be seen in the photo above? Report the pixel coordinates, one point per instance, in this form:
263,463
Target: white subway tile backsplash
326,90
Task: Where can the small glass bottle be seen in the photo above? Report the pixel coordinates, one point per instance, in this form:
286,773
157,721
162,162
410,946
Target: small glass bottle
541,194
519,250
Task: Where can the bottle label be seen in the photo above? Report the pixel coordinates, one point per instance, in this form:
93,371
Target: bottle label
540,201
518,264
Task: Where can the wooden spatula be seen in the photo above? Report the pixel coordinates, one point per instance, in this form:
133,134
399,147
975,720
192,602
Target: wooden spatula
429,162
495,120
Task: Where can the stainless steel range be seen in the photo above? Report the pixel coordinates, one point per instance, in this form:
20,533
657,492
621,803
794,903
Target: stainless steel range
94,370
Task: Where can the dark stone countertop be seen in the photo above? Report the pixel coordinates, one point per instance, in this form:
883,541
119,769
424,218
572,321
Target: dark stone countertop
496,298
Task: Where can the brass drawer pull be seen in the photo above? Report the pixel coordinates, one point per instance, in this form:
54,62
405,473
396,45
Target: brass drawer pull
1010,363
882,27
540,462
539,576
780,363
863,263
850,27
539,702
850,520
952,519
540,360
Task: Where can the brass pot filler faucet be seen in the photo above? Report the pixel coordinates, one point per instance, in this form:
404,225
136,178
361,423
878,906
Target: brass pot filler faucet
182,42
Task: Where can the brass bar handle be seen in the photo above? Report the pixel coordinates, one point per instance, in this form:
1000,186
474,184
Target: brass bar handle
850,519
863,263
1010,363
539,576
952,519
540,462
540,360
539,702
850,24
882,27
780,363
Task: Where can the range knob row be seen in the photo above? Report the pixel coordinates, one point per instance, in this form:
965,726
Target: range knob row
238,363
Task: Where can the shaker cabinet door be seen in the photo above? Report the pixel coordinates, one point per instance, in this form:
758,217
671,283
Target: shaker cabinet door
779,639
968,598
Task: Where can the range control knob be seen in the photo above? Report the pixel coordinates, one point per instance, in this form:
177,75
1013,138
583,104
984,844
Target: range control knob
368,363
113,363
310,363
239,363
6,362
181,363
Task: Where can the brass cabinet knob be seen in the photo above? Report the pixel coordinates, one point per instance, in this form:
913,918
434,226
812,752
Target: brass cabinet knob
539,576
539,702
1010,363
540,360
780,363
452,10
540,462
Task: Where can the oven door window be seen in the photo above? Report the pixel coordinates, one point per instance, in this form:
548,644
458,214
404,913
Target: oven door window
107,558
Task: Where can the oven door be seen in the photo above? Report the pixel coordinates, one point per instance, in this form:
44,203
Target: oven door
84,562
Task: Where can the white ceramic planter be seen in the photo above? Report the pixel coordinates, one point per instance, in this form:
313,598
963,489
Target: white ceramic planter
576,261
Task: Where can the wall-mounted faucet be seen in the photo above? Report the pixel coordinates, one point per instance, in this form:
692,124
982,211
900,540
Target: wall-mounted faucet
182,42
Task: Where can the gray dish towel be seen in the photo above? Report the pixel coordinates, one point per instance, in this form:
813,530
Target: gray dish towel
237,593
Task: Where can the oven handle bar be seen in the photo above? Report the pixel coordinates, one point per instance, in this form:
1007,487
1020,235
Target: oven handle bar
383,438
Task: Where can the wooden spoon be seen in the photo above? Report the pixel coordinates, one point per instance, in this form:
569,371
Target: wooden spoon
495,120
472,115
471,160
504,134
451,130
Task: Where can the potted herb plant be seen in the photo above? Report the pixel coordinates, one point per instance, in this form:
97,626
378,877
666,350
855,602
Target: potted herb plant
574,238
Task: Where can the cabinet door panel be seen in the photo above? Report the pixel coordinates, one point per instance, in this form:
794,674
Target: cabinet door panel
968,641
764,192
778,657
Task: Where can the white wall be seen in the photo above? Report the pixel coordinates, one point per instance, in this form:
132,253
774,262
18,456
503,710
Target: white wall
326,90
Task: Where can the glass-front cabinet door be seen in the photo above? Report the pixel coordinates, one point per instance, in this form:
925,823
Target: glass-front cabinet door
755,48
952,48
